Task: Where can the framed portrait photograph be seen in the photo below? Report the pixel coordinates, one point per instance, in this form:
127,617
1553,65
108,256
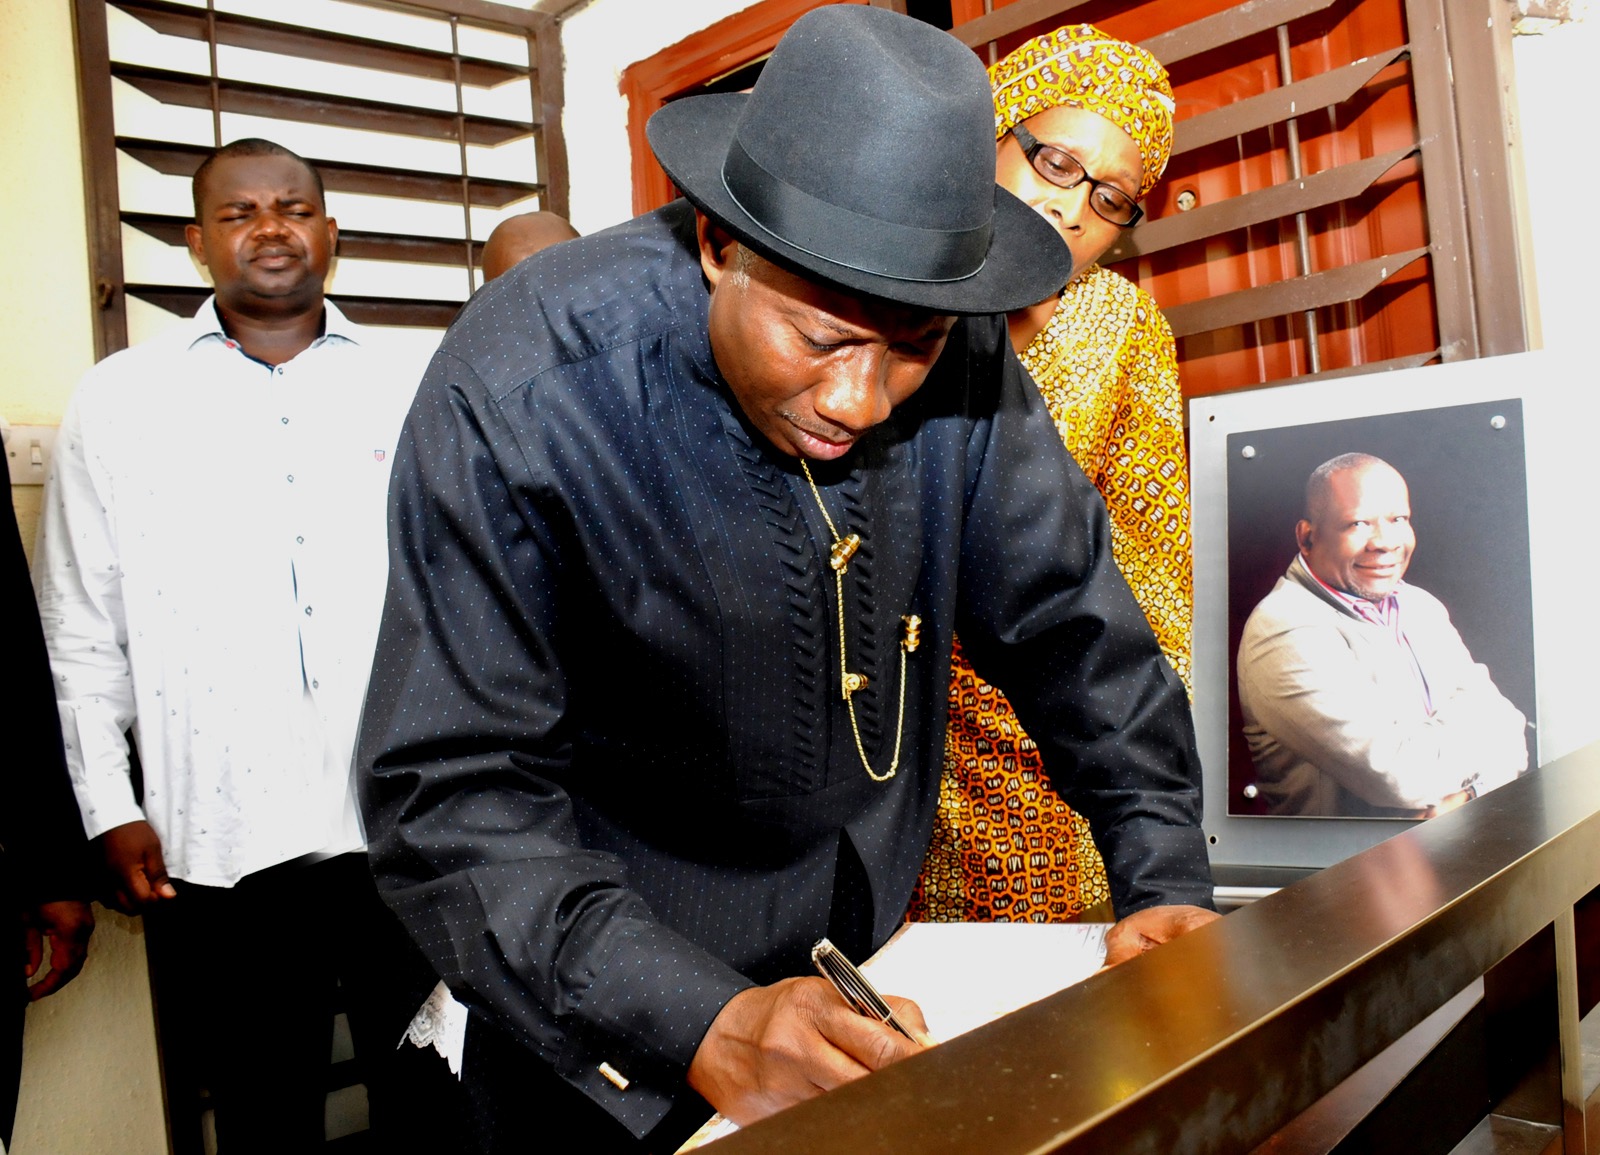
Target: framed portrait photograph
1387,607
1378,560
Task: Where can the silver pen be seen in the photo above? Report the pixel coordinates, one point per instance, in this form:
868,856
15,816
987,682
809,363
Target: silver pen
853,986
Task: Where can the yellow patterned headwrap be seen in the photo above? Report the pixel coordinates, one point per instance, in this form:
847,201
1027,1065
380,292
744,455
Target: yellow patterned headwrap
1082,67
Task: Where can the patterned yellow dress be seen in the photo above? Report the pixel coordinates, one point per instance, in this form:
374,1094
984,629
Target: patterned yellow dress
1005,846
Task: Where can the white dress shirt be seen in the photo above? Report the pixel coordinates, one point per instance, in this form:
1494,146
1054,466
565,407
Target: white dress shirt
211,570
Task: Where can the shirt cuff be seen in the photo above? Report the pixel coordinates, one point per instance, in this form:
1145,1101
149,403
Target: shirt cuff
97,757
645,1014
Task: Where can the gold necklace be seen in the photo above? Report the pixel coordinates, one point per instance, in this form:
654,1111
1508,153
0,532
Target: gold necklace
839,555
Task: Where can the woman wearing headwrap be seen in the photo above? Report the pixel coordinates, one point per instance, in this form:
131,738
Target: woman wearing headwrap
1083,123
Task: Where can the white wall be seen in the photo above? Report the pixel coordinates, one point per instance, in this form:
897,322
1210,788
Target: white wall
1554,92
598,43
44,285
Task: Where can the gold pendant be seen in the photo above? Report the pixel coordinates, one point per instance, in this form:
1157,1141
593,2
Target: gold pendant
843,550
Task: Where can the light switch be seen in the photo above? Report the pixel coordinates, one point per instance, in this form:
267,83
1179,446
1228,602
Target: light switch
28,452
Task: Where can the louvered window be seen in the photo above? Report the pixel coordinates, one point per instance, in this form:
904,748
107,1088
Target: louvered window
429,122
1315,217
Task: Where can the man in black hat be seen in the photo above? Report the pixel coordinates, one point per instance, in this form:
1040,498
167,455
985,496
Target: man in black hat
683,523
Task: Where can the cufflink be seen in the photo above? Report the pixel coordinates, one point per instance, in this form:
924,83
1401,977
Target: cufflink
613,1076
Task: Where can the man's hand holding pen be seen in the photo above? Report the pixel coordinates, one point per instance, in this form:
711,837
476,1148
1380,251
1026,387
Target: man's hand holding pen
774,1046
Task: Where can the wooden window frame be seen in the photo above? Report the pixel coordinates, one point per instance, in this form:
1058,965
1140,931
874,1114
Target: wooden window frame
1461,67
725,46
109,287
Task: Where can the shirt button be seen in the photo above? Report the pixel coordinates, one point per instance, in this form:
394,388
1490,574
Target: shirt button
285,420
300,541
315,684
308,611
291,477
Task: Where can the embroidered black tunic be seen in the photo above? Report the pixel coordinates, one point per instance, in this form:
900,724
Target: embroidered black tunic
609,777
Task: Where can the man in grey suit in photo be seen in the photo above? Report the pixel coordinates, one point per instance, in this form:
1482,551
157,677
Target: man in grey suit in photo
1358,695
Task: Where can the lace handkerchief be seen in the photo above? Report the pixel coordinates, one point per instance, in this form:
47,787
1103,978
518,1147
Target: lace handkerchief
442,1024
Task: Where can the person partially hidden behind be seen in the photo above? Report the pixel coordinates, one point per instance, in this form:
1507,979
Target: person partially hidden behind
517,238
1359,697
1067,104
684,521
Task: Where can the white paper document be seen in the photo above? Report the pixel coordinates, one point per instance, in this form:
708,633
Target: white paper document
966,974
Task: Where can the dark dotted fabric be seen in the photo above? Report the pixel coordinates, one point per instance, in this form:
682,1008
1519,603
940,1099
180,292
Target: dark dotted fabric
608,775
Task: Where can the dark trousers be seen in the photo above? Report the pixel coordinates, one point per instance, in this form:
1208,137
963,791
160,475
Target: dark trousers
11,1007
10,1064
246,981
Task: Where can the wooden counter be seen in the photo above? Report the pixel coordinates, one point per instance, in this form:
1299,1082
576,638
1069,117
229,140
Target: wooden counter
1247,1033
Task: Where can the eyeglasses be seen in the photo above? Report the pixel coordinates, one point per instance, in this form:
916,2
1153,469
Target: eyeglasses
1064,170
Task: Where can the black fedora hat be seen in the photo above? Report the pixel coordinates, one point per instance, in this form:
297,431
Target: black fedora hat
864,158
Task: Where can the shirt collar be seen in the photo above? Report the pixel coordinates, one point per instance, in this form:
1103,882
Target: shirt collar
207,323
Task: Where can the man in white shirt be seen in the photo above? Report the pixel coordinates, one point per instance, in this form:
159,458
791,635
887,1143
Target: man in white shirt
1359,697
211,572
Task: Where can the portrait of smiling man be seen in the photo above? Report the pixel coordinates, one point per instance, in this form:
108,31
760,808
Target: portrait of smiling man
683,523
1358,696
210,574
